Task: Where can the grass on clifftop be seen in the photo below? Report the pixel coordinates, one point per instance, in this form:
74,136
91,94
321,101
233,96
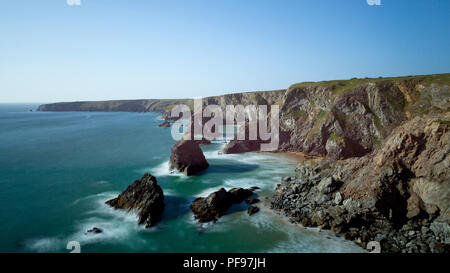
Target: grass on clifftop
340,86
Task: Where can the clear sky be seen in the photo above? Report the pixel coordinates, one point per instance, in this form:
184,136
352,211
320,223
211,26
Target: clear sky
128,49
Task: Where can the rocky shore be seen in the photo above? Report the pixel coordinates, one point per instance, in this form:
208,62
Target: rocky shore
397,195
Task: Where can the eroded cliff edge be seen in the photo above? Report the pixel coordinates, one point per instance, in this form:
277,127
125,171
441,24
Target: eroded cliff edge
398,195
339,119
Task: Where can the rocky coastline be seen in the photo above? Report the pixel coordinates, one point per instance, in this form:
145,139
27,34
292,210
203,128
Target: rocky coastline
377,165
398,195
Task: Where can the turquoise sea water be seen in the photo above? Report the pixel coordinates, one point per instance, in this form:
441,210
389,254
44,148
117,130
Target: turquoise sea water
58,169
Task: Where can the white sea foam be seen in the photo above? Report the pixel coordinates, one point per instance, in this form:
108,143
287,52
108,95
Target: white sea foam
221,225
102,195
309,241
43,245
116,225
101,182
247,183
163,169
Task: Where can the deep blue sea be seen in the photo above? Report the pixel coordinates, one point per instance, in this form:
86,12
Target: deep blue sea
58,169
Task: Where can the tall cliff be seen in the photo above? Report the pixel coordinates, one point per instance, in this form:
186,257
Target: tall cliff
347,118
144,105
339,119
350,118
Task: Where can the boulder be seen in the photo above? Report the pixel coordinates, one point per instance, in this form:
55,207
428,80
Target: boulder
252,210
145,196
351,205
337,198
327,185
95,230
188,158
441,228
414,206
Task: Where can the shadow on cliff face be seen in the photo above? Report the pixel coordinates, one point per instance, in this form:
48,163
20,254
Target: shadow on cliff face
392,201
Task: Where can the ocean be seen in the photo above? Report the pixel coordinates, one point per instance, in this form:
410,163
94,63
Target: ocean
57,169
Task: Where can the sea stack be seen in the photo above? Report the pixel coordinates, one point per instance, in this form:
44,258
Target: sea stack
145,196
188,158
211,208
236,146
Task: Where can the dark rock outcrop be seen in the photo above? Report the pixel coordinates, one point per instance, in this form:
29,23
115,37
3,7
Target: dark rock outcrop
252,210
236,146
145,196
203,141
241,146
217,203
252,201
397,195
237,195
187,157
212,207
165,124
95,230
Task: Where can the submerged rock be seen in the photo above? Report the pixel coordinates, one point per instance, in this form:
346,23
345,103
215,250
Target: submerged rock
165,124
217,203
95,230
252,201
252,210
187,157
145,196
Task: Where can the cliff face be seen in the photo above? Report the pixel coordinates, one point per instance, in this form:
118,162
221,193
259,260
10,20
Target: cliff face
347,118
339,119
399,194
150,105
344,119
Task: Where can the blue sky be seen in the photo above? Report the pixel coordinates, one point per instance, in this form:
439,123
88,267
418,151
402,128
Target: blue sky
130,49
